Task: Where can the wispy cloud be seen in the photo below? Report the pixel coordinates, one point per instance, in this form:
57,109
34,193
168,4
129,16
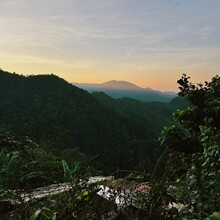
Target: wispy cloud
9,58
135,34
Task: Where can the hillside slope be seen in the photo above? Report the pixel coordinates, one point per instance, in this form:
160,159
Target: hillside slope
58,115
154,114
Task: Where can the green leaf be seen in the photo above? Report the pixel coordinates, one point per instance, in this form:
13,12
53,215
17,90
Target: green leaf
31,175
35,215
214,216
12,162
67,173
54,217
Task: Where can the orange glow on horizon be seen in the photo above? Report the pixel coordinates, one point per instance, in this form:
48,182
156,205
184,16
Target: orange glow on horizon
165,80
148,43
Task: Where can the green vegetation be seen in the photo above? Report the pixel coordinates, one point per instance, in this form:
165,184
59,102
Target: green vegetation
194,163
153,116
29,167
24,164
8,163
59,117
70,127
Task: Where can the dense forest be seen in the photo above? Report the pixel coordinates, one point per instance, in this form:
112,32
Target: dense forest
120,133
54,132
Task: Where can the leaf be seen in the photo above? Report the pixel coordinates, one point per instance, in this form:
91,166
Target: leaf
79,197
54,217
85,193
31,175
214,216
67,173
12,163
8,164
192,179
35,215
31,163
76,168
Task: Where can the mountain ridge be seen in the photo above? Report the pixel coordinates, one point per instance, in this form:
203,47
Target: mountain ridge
120,89
119,84
61,116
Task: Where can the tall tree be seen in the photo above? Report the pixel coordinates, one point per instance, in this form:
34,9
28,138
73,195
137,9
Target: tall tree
195,142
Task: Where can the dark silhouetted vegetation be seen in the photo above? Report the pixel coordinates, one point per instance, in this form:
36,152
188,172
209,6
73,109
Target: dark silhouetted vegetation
71,127
58,116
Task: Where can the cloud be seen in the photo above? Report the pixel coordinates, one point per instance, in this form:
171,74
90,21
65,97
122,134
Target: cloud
111,22
19,58
88,34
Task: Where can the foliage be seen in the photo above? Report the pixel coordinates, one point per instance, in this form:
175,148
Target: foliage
70,174
150,118
58,116
73,155
45,213
194,163
17,169
8,162
78,201
214,216
27,165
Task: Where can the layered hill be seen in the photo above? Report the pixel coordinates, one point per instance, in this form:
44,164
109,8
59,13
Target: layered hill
154,114
119,89
59,115
122,133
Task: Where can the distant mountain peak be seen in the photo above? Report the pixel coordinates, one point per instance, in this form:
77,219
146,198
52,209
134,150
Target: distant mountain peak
123,85
119,89
148,88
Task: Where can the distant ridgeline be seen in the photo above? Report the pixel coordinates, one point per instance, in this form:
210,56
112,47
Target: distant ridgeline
58,115
120,89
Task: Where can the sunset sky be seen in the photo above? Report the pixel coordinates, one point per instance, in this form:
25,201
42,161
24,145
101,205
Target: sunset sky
147,42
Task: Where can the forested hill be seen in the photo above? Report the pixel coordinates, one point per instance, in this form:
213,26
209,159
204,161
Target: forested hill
154,114
58,115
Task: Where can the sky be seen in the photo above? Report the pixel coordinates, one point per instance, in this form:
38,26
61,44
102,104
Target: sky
146,42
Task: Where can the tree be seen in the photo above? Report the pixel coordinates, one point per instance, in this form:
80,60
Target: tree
195,143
